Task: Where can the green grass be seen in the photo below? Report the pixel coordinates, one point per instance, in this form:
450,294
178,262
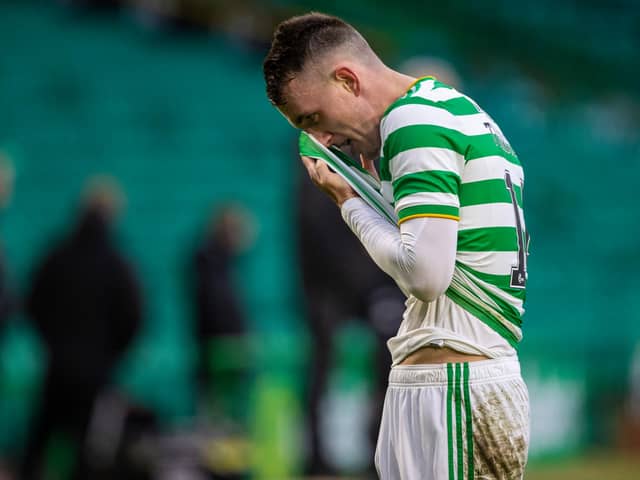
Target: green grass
595,466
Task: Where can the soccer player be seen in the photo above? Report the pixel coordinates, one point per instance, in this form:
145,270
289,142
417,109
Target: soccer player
456,406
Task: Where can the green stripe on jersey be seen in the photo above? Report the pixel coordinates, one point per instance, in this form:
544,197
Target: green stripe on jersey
456,106
483,315
385,173
488,191
429,181
434,136
498,306
488,239
503,282
458,396
493,306
469,418
419,136
484,146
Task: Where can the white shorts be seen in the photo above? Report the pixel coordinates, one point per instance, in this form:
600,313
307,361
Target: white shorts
454,421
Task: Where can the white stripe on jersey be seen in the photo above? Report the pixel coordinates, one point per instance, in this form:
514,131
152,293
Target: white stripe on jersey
428,198
424,159
493,263
416,114
491,167
487,215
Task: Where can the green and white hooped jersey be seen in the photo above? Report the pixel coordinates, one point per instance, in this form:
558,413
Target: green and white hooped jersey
443,156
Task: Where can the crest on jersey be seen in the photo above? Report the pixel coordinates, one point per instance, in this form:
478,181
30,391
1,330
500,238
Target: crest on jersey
498,136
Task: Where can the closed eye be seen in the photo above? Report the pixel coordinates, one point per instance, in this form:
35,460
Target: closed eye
308,121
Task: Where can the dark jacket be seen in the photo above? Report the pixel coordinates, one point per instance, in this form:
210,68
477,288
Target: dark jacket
217,307
85,303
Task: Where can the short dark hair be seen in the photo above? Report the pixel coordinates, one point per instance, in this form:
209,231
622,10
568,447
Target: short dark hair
296,40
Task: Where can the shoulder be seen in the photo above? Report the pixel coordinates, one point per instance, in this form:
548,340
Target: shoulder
431,114
428,101
432,104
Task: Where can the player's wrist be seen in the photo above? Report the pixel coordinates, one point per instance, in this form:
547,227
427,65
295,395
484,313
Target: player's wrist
344,196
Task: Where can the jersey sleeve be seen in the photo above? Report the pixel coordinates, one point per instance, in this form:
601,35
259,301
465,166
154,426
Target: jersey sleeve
424,162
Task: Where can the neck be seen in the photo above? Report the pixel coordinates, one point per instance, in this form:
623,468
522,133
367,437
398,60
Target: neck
387,86
390,85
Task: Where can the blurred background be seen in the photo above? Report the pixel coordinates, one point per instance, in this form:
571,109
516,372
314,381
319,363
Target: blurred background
168,309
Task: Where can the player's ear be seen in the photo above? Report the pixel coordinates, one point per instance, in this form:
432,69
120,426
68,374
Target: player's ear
348,79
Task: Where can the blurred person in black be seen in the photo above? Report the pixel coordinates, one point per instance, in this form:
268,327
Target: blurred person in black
220,325
85,303
349,287
7,298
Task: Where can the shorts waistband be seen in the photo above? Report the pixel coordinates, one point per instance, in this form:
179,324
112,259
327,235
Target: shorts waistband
438,374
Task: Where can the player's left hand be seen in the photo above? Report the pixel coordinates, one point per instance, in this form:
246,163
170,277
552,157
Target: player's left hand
329,182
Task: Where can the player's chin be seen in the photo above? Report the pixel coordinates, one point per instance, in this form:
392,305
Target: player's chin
341,142
368,151
350,148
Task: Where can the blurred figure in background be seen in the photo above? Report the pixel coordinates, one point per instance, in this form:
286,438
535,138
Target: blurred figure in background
629,421
7,299
335,292
224,357
85,303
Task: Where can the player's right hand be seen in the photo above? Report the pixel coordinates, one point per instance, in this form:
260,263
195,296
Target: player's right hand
329,182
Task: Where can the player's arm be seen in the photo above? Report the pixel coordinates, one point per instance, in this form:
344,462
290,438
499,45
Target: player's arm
420,256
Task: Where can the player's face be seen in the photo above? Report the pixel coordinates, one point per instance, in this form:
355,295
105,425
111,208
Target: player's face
330,111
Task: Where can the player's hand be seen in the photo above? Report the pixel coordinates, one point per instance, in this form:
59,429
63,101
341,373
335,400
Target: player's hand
329,182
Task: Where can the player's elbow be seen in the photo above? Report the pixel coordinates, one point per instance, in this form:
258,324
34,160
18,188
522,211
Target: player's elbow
429,287
428,293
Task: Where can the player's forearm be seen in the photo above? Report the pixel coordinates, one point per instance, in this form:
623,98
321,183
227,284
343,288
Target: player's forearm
419,256
380,238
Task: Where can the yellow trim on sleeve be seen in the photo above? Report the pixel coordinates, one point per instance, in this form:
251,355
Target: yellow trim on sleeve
433,215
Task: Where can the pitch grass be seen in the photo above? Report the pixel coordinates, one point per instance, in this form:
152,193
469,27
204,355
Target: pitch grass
595,466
